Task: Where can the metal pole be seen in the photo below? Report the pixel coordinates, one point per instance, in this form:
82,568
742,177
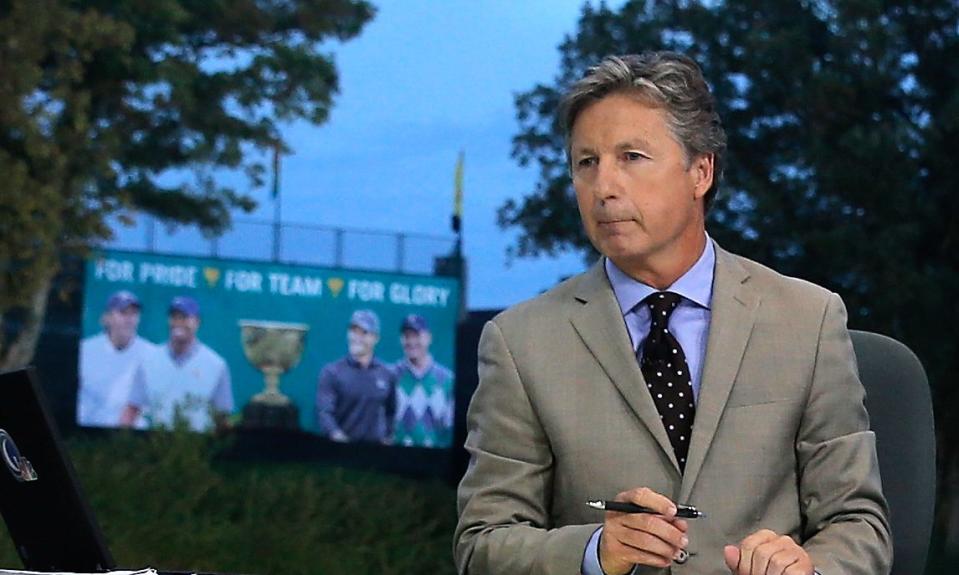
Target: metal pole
277,227
277,202
151,234
461,274
400,251
339,248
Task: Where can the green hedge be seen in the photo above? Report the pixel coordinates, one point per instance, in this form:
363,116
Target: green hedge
163,500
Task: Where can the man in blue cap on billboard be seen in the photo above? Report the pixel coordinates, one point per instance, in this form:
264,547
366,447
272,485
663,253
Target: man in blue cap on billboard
355,396
184,379
108,361
424,390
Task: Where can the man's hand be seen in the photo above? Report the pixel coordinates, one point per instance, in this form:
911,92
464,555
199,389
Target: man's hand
766,553
338,436
649,539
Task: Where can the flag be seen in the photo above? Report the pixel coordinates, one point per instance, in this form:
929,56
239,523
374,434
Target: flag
458,194
276,169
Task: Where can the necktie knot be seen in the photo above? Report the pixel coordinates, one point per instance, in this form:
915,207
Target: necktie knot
661,306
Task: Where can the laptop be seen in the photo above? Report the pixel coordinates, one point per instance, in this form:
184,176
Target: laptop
41,502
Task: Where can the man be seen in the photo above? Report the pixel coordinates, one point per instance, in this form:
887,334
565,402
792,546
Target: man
355,396
108,361
671,372
424,390
184,379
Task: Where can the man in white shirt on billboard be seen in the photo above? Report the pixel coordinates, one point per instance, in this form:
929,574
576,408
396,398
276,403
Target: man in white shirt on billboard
108,361
184,378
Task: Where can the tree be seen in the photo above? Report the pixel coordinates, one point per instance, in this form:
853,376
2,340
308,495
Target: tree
842,118
105,104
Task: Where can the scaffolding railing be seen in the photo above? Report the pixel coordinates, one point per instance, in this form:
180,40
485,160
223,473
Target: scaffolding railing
294,243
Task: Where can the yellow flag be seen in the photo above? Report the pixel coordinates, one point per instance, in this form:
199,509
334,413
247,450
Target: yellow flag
458,194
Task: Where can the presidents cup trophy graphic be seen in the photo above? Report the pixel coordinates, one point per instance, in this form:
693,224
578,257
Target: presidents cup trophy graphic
274,348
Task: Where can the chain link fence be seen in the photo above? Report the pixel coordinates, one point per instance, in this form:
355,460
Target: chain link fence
293,243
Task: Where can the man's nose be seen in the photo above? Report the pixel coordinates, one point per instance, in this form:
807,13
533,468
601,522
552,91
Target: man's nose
607,181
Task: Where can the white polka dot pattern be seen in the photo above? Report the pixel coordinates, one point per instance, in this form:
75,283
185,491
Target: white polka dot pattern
660,352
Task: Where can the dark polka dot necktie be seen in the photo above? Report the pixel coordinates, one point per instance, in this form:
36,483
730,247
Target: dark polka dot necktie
663,364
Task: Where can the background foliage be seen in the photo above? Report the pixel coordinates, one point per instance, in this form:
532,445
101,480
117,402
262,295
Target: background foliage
843,119
114,106
164,500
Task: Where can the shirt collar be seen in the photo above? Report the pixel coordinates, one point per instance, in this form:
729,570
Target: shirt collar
353,363
186,355
419,372
696,285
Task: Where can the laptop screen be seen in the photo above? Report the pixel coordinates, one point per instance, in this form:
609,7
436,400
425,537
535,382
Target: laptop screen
40,499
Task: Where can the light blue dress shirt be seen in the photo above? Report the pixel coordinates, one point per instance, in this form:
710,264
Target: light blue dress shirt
689,323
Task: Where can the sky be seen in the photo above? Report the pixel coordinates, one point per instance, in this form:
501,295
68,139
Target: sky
424,80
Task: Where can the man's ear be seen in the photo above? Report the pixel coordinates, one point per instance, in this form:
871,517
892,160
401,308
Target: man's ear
703,169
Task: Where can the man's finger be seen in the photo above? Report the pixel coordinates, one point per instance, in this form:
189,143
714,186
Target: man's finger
652,543
663,528
620,549
731,555
780,560
644,538
648,498
748,548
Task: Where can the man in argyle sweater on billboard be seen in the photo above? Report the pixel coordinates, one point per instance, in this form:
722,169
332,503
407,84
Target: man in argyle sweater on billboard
424,390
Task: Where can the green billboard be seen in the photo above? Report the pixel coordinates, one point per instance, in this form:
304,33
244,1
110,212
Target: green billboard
244,311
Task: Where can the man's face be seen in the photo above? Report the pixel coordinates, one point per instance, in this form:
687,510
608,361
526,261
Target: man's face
121,325
183,328
416,344
640,203
361,342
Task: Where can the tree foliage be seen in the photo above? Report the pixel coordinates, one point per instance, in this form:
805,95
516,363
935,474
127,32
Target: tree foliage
105,104
842,119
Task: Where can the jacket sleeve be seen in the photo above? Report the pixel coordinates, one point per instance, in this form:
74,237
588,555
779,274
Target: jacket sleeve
504,498
845,514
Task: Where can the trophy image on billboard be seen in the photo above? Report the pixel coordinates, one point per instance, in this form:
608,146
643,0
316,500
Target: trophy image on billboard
274,348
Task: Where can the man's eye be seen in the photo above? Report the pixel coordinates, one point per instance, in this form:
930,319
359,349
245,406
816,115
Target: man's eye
585,162
633,156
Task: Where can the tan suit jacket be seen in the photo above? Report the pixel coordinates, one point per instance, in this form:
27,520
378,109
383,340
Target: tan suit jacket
781,438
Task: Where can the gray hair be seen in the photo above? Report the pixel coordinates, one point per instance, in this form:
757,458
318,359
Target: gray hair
668,79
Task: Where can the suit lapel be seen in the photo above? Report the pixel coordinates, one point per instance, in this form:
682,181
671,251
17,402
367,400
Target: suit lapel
733,311
599,322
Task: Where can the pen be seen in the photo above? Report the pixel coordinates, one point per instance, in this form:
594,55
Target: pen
684,511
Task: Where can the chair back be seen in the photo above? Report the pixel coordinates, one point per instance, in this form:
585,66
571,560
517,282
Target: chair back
900,412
